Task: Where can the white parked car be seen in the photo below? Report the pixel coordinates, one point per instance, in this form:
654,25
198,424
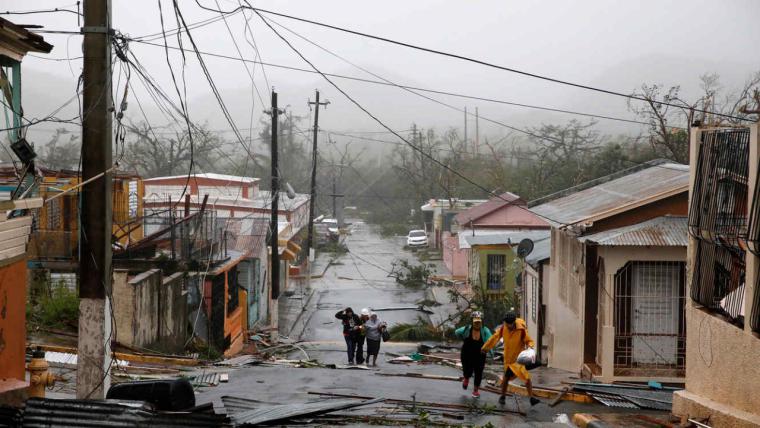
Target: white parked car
332,225
417,238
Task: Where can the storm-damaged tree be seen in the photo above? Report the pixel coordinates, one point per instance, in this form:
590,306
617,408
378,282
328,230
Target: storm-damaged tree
157,152
668,115
294,159
62,151
560,158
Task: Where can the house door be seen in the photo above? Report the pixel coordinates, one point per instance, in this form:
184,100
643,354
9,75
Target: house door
655,301
247,280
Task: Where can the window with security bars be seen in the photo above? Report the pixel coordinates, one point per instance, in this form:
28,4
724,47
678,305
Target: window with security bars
495,269
718,211
649,318
721,223
719,279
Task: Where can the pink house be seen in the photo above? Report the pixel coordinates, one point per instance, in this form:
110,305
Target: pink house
505,213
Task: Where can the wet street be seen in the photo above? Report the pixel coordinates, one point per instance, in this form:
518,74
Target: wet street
360,279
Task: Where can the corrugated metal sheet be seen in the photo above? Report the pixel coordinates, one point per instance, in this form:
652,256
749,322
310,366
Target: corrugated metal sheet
613,401
666,231
49,413
588,200
646,398
271,414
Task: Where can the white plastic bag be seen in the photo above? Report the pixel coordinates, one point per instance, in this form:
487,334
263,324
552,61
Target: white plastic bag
527,357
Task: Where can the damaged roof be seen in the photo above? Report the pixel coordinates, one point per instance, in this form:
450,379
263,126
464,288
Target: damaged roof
666,231
16,41
610,195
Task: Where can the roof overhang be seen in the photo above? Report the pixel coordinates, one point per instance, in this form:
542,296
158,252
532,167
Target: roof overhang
589,221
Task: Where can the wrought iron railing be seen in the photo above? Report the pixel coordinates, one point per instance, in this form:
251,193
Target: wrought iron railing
718,211
719,279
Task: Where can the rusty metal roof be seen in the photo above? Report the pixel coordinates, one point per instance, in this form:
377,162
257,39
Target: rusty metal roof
666,231
600,197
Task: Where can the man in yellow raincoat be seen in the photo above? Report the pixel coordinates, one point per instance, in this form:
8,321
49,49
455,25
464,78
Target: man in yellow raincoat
516,339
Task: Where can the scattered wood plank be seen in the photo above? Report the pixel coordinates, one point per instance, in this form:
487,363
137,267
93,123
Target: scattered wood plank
21,204
417,403
559,396
137,358
422,376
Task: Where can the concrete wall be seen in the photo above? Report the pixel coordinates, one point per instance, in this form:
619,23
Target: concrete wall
530,300
150,311
722,369
564,323
454,258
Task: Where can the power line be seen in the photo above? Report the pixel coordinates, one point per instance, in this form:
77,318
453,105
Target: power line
496,66
421,89
381,123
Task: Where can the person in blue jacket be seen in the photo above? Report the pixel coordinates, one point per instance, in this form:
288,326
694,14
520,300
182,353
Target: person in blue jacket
474,337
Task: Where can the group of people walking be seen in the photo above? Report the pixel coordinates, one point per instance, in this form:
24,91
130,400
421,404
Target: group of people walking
478,341
360,328
519,352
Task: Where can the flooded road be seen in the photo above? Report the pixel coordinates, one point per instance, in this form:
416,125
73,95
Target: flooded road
360,279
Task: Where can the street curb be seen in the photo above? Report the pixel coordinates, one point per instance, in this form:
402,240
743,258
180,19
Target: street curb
321,275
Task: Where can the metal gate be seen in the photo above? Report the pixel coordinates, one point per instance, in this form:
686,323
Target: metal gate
649,316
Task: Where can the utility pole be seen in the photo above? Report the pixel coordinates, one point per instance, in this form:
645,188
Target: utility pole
465,127
95,330
337,208
313,195
477,132
274,270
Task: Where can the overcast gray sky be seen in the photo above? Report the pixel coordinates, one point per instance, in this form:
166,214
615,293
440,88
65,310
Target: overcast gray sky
613,44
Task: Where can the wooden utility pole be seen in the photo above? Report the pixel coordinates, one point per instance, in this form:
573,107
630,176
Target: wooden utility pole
313,194
465,128
95,330
273,241
477,131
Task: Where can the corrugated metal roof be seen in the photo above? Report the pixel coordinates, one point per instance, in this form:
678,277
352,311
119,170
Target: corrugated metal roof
666,231
661,178
490,205
504,238
40,412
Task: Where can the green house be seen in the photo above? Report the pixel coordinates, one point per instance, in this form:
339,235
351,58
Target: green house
494,264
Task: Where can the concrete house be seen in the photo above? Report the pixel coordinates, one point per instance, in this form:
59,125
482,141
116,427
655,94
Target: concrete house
723,303
535,292
493,264
617,275
438,215
505,213
16,217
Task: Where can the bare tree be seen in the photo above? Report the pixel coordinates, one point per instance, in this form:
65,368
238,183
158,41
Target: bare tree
154,153
61,152
668,114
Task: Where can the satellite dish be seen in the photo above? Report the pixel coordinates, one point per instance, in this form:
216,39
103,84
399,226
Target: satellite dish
525,248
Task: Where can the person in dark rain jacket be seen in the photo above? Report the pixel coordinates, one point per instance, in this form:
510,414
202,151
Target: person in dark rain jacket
473,360
351,330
